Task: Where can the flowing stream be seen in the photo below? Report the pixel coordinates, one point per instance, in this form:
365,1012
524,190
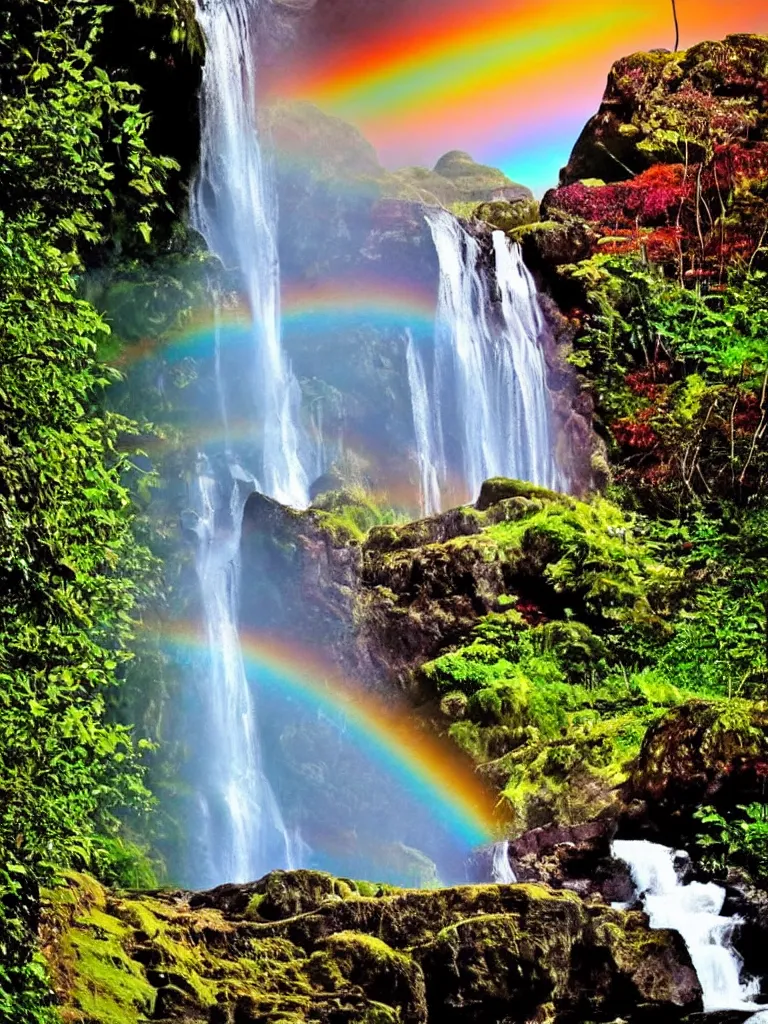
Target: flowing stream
693,910
485,410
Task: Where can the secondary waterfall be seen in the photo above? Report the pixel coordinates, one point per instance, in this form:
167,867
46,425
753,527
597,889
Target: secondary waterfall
425,429
486,411
693,910
234,208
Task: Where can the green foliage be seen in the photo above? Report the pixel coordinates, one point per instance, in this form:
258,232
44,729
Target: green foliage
681,377
351,513
718,643
636,616
74,152
594,558
738,840
123,864
181,14
74,164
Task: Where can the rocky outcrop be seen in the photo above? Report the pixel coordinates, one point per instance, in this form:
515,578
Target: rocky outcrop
492,619
305,947
654,103
669,165
701,753
574,857
382,603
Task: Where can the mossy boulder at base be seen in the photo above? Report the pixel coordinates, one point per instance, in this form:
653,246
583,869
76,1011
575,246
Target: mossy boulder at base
712,752
305,948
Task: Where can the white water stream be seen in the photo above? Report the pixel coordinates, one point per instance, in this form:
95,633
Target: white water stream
693,910
234,208
242,830
485,411
425,429
501,868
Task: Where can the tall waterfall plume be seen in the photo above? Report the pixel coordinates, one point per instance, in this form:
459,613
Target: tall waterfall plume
234,208
487,405
242,831
241,827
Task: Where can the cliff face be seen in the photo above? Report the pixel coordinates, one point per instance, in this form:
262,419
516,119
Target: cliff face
305,947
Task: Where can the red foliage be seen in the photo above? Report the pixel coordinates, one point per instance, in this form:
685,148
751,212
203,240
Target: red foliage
635,433
649,383
748,414
736,164
531,612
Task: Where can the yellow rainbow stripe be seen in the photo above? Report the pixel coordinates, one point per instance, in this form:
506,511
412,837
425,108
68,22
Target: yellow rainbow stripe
430,768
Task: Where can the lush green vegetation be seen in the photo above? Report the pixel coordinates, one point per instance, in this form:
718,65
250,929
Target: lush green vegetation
681,375
619,612
739,839
76,172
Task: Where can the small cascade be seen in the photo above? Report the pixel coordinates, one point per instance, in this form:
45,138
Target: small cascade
242,830
501,866
488,397
693,910
234,209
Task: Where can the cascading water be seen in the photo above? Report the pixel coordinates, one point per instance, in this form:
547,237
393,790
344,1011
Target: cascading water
242,830
425,430
693,910
488,407
501,868
234,209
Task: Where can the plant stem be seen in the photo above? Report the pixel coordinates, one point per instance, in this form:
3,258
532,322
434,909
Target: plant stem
677,26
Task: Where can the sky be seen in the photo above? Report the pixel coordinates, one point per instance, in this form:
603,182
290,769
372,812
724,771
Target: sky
511,81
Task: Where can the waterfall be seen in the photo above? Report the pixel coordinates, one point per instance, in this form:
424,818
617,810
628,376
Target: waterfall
233,206
693,910
501,869
241,827
424,429
489,398
234,209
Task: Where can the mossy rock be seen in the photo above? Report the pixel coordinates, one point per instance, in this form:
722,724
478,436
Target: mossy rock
507,215
500,488
704,751
466,954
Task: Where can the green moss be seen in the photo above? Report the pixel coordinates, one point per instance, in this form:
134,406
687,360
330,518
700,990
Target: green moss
350,514
252,913
499,488
507,216
110,987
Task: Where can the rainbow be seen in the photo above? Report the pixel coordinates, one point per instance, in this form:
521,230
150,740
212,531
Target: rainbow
373,301
429,769
513,82
447,58
324,308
